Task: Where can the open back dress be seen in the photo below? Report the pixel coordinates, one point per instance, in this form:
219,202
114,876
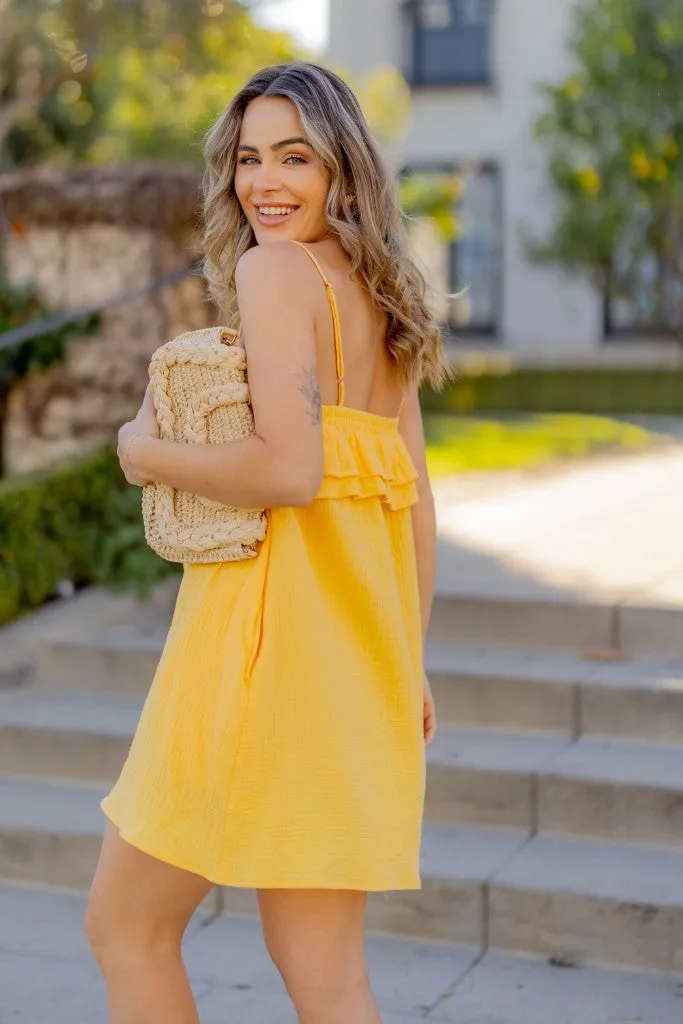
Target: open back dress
281,742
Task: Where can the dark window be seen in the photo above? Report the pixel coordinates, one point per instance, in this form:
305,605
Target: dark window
447,42
655,302
470,265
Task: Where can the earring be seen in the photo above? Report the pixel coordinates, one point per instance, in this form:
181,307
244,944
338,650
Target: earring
349,199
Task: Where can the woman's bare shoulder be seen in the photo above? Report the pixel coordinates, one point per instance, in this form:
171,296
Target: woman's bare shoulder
275,292
281,261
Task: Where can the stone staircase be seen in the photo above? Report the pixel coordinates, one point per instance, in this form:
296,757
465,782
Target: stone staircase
554,814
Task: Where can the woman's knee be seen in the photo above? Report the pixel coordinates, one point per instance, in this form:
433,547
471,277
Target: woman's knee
119,940
317,993
317,946
109,935
138,903
97,926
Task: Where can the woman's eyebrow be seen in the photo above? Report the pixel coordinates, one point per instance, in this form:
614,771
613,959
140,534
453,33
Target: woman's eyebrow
289,142
276,145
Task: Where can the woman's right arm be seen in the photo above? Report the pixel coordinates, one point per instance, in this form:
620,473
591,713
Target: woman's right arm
281,463
424,534
423,513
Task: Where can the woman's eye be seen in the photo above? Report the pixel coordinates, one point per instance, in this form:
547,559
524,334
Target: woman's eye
293,158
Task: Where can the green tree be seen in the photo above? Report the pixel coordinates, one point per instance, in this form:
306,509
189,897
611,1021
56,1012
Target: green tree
163,98
48,96
614,135
59,74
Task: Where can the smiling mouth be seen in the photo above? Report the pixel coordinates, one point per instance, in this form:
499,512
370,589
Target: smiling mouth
275,213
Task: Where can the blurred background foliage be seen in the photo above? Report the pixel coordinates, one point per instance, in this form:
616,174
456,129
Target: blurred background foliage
78,522
459,444
613,131
89,80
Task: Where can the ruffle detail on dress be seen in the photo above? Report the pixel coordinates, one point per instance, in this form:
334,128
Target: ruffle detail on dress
367,461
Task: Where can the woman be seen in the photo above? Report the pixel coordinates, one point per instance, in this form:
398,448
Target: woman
281,746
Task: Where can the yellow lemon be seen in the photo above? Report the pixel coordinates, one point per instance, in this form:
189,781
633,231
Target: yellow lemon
590,180
640,162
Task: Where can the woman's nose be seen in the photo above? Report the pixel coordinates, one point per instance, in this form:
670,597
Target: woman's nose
266,178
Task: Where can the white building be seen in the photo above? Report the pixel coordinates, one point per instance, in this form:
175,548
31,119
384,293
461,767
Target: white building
475,68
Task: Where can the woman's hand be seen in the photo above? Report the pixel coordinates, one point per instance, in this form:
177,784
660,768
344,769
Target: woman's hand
429,716
144,425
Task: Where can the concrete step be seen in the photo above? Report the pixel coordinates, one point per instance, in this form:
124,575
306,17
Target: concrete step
494,687
554,620
577,899
613,789
585,901
93,609
573,900
600,788
82,737
51,834
233,978
120,661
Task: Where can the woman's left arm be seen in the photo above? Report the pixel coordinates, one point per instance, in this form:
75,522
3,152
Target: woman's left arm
282,462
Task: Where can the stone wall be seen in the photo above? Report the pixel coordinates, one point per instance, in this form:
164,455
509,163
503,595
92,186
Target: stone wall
77,406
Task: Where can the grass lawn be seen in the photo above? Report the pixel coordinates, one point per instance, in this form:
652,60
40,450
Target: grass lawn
456,444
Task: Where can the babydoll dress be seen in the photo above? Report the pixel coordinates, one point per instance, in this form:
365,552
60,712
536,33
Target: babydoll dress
281,742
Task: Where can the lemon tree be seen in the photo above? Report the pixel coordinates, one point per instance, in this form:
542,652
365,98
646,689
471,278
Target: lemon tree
613,131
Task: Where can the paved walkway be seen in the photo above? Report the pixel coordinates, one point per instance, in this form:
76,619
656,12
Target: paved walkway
607,530
47,976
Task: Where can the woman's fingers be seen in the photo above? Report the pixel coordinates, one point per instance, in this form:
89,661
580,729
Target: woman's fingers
429,722
429,714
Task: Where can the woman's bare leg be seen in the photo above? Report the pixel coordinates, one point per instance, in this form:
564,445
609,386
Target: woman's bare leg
137,914
315,938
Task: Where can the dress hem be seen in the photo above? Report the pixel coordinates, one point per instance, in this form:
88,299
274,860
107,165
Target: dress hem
145,847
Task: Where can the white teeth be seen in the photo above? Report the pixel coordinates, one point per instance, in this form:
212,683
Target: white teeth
275,211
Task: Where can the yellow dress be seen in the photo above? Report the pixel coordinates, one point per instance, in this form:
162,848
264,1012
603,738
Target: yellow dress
280,745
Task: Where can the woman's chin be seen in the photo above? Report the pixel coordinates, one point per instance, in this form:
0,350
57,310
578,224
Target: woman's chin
286,232
281,232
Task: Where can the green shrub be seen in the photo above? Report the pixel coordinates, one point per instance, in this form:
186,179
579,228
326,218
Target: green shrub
597,391
80,522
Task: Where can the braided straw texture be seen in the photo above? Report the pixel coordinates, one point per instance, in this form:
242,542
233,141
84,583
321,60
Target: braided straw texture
201,395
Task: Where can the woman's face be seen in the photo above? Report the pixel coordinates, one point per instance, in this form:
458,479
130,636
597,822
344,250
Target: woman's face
280,183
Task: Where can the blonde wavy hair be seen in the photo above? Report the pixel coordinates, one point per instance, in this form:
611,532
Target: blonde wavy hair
362,209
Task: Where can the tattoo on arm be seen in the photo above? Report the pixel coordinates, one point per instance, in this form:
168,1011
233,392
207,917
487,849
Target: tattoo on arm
310,389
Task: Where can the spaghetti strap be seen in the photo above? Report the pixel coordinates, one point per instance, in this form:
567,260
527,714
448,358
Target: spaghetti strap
338,353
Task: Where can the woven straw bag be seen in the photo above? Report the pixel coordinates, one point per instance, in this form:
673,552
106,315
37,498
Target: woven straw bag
201,395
